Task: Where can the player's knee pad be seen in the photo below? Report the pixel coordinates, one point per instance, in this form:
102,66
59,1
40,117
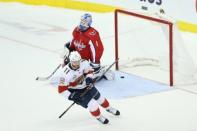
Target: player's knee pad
92,105
100,100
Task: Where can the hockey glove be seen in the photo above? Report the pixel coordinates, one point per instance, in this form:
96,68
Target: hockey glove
66,61
96,67
67,45
89,82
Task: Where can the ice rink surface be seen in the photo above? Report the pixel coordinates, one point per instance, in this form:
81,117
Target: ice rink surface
31,38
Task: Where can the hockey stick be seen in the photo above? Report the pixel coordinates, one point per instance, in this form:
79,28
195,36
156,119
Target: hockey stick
90,88
66,109
66,57
46,78
74,102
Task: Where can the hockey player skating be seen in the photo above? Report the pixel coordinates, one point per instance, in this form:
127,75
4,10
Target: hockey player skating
77,85
87,42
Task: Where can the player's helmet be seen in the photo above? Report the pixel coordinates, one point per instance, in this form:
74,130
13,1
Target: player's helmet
86,21
75,59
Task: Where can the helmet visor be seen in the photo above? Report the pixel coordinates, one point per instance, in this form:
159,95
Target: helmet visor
83,25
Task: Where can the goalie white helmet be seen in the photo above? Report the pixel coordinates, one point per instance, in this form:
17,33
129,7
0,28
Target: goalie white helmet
75,59
86,21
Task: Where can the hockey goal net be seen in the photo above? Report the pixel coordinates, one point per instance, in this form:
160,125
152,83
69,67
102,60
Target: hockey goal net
151,47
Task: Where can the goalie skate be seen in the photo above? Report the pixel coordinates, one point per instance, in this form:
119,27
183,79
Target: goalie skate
103,120
113,111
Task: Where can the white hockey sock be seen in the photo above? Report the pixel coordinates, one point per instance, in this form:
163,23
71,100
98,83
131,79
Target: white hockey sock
94,108
103,102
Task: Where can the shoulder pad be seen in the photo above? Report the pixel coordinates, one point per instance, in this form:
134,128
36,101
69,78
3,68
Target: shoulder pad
92,32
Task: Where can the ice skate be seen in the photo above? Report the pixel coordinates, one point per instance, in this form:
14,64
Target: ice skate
113,111
103,120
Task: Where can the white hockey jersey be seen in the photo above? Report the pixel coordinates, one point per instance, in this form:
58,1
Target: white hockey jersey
75,79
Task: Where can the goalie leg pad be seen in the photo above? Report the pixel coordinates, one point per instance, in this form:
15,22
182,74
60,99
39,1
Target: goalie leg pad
109,75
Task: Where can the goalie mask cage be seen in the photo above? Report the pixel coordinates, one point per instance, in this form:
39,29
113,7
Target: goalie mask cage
151,47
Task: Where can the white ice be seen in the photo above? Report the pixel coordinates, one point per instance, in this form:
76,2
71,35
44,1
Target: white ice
31,38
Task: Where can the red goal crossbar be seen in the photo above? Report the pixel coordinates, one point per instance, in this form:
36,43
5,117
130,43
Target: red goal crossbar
170,26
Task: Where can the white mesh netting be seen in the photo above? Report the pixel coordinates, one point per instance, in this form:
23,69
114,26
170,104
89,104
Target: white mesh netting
143,49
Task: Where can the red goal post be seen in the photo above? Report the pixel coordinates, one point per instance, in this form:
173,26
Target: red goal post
149,18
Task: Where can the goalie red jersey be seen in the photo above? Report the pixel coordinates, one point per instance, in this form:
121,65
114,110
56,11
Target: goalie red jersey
88,44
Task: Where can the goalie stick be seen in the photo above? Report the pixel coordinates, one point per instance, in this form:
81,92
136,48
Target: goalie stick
97,79
66,57
48,77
